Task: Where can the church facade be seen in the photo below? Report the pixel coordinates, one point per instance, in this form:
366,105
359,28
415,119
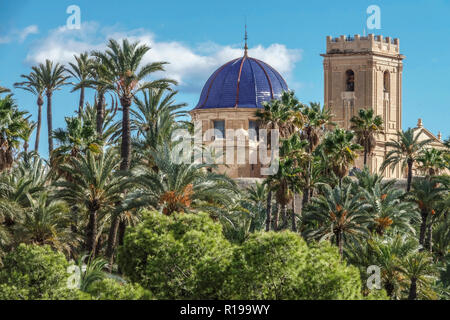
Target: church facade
359,73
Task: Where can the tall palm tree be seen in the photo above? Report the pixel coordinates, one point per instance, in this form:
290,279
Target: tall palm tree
12,126
427,193
124,63
340,151
95,186
33,83
283,184
366,125
337,214
53,78
316,119
154,119
81,70
285,116
405,150
432,161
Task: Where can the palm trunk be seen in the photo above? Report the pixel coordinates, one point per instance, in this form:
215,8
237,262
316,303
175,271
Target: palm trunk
269,210
294,224
277,217
100,113
306,191
339,243
428,241
125,150
81,105
121,231
413,289
112,240
49,123
284,216
365,155
408,185
92,232
38,125
423,226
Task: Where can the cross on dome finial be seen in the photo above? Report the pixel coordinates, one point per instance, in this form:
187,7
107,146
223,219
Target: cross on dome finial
245,38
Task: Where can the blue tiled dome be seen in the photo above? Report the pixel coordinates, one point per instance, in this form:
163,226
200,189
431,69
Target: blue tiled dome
244,83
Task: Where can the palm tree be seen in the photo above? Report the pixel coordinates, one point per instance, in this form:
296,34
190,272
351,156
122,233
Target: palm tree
282,184
33,83
337,214
47,222
420,270
340,151
154,120
366,125
95,186
81,70
178,187
53,78
123,62
427,193
317,119
387,209
405,150
3,90
432,161
12,126
285,116
388,252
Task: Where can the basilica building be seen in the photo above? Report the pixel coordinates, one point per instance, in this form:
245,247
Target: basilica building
359,73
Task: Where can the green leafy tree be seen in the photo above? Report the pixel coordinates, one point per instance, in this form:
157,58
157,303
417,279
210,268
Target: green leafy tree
280,266
36,271
183,256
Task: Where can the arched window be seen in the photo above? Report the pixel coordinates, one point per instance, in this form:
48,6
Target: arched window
386,82
350,80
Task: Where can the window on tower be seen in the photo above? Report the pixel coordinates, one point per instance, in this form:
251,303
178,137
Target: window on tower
350,80
219,129
253,130
386,81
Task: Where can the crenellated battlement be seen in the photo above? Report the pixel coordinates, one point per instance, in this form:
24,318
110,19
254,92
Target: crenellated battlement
358,44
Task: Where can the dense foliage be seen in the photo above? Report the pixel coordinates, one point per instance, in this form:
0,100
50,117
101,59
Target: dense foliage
112,214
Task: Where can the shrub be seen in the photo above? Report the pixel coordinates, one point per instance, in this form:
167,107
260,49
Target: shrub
183,256
273,265
110,289
33,272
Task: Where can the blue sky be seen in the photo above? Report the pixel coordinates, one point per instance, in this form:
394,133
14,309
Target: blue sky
198,36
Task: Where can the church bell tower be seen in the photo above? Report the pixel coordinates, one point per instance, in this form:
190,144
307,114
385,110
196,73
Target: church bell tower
362,73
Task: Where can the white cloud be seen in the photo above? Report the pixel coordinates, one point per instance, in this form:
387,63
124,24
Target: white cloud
33,29
190,65
19,35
